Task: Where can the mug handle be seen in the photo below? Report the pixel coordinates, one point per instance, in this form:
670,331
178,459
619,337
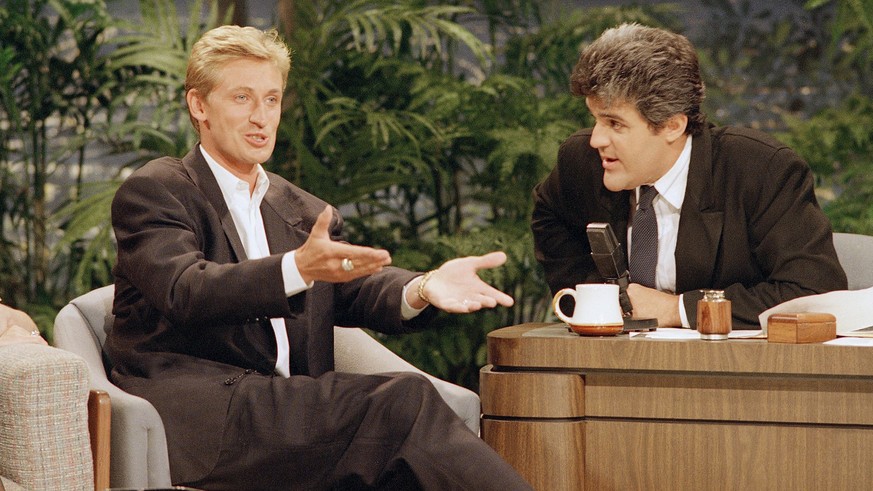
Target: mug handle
556,305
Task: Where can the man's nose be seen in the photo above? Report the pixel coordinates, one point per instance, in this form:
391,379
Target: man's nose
598,137
259,114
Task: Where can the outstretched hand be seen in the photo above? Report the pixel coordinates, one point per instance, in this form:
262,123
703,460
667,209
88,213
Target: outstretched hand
455,287
321,259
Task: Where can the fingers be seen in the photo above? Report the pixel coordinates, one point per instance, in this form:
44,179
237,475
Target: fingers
503,299
323,260
475,302
321,229
360,257
491,260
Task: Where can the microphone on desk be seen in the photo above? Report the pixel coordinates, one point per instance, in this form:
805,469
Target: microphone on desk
611,263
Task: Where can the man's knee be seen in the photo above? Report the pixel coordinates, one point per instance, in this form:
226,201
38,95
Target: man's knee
406,396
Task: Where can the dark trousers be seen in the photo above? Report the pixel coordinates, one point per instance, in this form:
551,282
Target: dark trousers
348,431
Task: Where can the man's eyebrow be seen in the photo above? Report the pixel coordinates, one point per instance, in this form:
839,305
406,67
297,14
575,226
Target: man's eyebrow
608,115
246,88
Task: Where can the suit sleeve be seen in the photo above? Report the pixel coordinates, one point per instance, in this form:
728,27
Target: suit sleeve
374,301
564,203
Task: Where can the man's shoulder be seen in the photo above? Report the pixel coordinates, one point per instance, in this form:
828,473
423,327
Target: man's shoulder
288,188
162,169
157,180
577,145
579,137
747,137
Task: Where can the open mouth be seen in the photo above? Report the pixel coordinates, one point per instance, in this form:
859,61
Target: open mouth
257,139
608,162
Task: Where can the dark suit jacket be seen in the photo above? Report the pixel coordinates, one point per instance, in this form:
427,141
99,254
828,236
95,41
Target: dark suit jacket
192,313
750,223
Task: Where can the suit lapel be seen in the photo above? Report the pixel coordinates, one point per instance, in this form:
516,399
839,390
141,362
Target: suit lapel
702,219
284,226
204,179
282,219
616,207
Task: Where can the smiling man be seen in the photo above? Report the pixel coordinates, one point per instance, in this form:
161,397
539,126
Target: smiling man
734,209
228,285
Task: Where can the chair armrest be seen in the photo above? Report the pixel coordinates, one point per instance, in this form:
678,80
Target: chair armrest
44,441
138,455
139,443
355,351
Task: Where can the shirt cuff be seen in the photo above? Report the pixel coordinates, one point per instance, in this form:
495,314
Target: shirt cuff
407,311
683,316
294,283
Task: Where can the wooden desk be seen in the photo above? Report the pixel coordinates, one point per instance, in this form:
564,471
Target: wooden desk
573,412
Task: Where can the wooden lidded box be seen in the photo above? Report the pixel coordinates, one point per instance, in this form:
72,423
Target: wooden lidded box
805,327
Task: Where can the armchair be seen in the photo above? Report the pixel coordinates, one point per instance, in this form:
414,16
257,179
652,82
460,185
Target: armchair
138,445
855,252
44,437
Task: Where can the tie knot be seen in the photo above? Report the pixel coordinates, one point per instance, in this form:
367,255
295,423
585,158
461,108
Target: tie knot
647,194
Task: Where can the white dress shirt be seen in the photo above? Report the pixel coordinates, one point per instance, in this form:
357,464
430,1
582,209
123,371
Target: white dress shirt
668,209
245,208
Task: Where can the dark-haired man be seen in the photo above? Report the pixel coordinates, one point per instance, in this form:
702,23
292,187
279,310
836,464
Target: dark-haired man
729,208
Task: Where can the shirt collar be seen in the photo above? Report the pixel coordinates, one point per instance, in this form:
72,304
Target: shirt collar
230,184
671,186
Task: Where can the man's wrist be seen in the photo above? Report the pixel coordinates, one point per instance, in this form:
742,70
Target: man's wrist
422,283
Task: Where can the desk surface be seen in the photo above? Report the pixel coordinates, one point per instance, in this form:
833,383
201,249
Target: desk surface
540,345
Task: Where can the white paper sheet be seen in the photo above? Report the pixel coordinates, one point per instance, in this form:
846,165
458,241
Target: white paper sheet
853,309
850,341
678,333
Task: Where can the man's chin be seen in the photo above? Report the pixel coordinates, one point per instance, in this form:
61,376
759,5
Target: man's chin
615,185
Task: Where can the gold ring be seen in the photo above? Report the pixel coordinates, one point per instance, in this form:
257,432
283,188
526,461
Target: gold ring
347,264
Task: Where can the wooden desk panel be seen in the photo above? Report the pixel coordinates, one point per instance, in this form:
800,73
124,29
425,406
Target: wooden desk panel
549,455
697,457
778,416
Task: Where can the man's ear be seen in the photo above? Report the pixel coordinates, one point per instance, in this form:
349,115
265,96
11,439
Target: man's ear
196,105
675,127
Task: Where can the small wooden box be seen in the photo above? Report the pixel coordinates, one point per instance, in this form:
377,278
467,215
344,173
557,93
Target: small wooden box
806,327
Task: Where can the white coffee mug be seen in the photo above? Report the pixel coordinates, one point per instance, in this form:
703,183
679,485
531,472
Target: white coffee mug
597,309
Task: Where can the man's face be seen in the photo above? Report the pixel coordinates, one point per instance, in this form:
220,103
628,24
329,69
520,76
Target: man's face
239,118
631,153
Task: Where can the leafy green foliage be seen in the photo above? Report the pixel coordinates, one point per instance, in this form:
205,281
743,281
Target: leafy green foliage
73,93
838,144
427,135
56,82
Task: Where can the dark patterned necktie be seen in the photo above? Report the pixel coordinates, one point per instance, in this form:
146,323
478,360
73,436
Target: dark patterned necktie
644,240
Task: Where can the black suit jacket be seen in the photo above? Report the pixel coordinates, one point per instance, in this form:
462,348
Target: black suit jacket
192,313
750,223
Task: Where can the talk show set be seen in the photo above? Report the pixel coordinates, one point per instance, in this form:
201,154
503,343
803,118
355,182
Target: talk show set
695,322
